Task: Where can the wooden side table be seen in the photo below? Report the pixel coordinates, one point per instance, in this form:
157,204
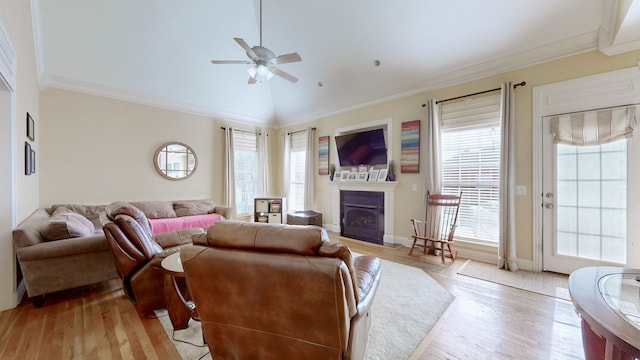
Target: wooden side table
180,311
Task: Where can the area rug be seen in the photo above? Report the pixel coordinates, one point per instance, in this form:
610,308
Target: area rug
545,283
407,305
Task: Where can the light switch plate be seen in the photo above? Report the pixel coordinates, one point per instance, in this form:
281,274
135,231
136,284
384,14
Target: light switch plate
521,190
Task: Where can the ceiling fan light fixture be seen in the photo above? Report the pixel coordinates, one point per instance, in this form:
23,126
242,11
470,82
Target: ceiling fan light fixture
263,70
263,60
260,72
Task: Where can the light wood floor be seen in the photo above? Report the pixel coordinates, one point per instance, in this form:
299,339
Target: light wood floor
485,321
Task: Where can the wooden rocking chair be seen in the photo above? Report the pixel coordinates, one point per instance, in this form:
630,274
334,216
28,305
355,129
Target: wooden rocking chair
438,227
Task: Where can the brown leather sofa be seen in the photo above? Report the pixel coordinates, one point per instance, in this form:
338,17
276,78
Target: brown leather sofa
271,291
138,254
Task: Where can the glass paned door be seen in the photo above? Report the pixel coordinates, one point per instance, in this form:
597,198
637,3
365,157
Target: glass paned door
585,205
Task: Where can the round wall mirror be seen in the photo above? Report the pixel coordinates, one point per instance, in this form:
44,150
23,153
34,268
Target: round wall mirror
175,161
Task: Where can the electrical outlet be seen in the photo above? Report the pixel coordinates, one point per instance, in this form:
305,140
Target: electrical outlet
414,187
521,190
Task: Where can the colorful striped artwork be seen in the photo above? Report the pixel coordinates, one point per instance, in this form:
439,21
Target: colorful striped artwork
410,147
323,155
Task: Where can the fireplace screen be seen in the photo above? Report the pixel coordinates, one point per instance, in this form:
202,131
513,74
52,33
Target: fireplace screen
362,214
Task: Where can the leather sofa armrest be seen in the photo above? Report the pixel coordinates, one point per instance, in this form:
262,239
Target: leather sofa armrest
178,237
223,210
368,275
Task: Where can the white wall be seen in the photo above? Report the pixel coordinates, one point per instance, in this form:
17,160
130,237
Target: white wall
96,150
15,19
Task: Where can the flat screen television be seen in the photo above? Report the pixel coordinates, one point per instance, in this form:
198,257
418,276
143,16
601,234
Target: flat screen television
362,148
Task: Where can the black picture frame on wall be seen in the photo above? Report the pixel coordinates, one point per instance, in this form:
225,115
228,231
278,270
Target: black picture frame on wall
31,128
27,158
33,161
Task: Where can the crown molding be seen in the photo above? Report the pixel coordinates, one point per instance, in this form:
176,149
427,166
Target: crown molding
509,62
59,82
506,63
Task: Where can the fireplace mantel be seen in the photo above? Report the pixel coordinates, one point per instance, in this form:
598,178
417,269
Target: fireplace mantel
387,187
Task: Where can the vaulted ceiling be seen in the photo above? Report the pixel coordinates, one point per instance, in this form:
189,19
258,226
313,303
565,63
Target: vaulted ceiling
158,52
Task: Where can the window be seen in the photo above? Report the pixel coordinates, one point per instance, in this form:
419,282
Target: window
592,201
297,164
471,164
245,164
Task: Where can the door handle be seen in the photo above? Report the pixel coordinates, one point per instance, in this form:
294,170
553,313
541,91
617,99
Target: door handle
548,205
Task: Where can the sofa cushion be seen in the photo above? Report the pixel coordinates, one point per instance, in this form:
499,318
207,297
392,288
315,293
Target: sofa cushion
193,207
156,209
65,224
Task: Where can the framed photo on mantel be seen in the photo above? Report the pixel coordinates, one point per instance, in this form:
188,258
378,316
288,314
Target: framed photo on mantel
382,175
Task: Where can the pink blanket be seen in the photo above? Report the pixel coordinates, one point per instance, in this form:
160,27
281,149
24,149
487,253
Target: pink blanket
183,222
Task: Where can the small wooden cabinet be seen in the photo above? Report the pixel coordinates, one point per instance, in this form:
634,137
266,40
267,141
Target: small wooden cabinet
269,210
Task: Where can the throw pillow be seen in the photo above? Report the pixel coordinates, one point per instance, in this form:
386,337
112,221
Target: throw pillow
193,207
91,212
64,211
65,225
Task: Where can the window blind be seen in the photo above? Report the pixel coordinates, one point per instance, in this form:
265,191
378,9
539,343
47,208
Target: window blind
471,163
595,127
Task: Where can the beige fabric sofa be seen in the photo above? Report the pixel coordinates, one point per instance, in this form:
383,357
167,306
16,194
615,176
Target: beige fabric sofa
64,247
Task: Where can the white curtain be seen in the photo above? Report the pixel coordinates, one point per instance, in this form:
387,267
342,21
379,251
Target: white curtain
229,173
507,223
594,127
433,164
310,173
263,164
287,165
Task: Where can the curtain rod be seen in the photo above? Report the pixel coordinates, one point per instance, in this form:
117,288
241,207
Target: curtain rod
477,93
299,131
243,131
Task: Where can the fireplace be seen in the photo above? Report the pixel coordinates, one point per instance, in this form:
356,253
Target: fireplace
362,215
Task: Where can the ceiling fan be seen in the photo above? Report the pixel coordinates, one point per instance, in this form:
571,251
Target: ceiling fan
263,60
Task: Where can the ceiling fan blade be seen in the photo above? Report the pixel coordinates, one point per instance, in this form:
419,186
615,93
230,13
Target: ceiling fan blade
247,48
284,75
252,80
286,58
231,62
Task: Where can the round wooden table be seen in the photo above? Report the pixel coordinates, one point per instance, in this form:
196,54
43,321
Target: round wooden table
180,311
607,298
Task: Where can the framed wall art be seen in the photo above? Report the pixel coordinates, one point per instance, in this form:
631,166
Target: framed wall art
31,128
323,155
33,161
27,158
410,147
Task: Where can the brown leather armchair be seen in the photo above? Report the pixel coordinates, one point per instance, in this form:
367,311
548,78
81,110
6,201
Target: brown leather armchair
138,254
270,291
